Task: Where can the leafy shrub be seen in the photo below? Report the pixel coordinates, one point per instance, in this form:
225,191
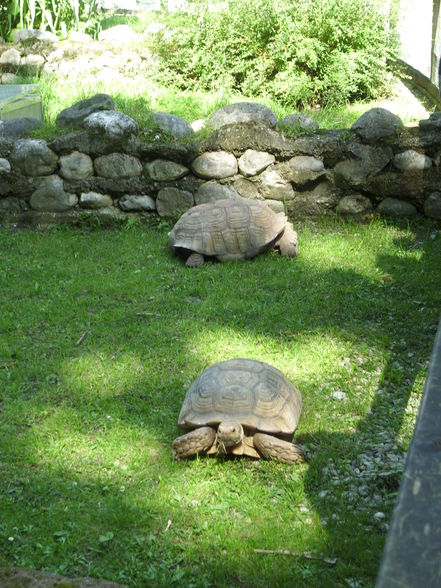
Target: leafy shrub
300,53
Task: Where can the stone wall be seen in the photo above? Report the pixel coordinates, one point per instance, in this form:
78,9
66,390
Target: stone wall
107,169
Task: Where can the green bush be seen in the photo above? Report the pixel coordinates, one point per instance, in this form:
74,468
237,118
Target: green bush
301,53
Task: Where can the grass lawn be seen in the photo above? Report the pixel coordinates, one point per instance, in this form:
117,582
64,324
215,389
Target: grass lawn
101,334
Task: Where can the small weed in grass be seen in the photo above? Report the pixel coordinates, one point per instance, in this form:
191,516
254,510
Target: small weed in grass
102,332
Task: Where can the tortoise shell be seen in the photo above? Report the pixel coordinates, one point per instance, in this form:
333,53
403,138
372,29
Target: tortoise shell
250,392
233,228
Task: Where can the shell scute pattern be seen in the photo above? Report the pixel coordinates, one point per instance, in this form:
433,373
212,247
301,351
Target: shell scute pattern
232,228
257,395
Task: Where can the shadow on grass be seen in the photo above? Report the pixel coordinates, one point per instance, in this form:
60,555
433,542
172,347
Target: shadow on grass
152,331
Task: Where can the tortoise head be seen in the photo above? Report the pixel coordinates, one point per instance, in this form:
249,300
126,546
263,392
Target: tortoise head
229,434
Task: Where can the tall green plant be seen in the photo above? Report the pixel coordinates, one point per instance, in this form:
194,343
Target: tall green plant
55,15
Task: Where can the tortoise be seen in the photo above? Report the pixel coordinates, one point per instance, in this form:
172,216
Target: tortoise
231,229
240,407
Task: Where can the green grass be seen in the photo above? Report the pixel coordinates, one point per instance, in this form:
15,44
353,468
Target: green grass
102,333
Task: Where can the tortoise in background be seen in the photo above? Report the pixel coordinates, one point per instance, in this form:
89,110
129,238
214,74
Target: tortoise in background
240,407
231,229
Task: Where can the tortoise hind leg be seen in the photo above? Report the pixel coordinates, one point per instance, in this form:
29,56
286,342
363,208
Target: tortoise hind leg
275,448
195,260
197,441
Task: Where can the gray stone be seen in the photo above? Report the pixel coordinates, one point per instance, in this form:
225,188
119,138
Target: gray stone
354,205
377,124
24,35
433,123
114,125
75,115
11,206
242,112
10,57
215,165
396,208
370,161
95,200
51,197
137,203
275,205
246,188
5,166
303,169
33,157
17,128
118,165
432,205
33,63
172,202
210,191
235,139
173,125
274,187
161,170
411,160
301,121
316,202
76,166
254,162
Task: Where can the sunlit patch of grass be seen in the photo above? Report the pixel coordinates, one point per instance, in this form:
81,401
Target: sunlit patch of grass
102,333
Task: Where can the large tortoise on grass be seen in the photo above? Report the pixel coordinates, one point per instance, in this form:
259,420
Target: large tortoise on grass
231,229
240,407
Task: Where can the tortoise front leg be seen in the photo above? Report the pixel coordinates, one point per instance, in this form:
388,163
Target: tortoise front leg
275,448
197,441
288,242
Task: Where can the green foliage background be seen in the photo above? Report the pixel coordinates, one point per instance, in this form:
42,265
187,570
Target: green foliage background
300,53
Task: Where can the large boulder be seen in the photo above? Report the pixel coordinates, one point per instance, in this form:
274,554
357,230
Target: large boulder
137,203
210,191
432,205
254,162
242,112
377,124
51,197
396,208
215,165
172,202
26,35
356,205
161,170
116,126
75,115
76,166
316,202
411,160
33,157
118,165
173,125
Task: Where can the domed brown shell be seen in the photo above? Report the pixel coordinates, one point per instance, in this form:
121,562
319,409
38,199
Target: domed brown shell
234,228
250,392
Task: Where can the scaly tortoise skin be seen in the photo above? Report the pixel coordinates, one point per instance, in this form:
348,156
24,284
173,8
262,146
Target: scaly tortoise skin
242,407
231,229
